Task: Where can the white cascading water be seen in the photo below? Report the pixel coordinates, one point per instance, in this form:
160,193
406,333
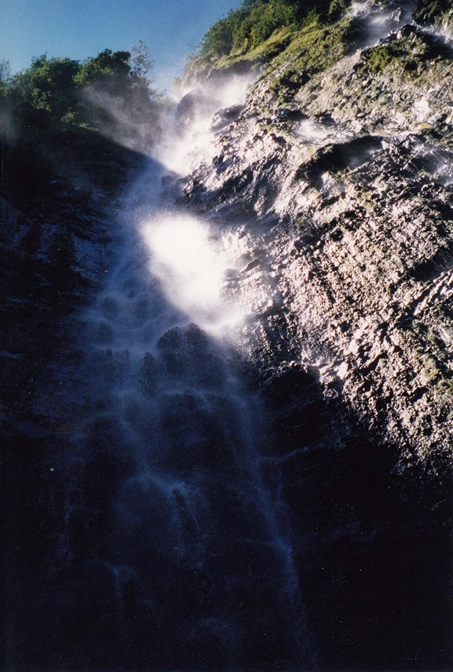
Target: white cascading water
191,528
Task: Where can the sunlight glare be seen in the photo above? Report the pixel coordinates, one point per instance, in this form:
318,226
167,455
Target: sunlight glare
191,265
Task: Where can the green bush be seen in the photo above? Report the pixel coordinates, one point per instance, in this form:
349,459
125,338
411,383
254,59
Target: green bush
45,92
256,20
431,11
219,38
46,97
105,65
265,19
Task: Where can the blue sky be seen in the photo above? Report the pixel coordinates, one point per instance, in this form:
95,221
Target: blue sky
81,28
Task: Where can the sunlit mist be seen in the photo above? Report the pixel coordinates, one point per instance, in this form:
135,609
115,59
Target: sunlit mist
311,131
196,140
191,265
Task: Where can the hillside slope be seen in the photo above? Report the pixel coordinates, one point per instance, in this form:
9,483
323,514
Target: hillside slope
343,155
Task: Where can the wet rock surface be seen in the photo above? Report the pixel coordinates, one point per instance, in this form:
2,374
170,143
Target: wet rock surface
339,181
283,504
57,231
353,207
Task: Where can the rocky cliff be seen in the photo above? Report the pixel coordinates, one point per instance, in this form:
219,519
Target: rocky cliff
342,159
337,172
281,502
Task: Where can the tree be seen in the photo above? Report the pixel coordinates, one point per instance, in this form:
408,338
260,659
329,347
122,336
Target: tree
45,92
141,62
5,77
5,71
103,66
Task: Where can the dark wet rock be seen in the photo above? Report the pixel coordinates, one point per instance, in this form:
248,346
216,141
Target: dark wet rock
367,215
224,117
344,414
186,108
110,308
105,334
148,375
189,105
189,352
349,332
286,113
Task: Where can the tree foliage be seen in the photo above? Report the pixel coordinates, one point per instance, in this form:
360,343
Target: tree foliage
46,91
141,61
431,11
5,76
48,94
104,66
5,71
255,20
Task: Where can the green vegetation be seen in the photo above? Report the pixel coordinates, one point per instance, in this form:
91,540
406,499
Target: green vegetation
48,96
60,116
305,37
247,27
316,47
297,52
409,52
378,58
431,11
44,93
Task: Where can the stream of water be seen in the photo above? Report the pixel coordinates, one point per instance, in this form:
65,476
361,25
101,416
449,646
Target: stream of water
171,531
185,517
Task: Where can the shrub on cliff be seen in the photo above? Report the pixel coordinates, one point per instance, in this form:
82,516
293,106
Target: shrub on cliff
60,111
431,11
255,21
46,97
44,92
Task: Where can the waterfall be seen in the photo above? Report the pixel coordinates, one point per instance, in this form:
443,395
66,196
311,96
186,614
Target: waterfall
174,538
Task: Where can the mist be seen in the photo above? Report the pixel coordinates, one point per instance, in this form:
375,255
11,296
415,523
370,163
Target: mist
132,117
226,333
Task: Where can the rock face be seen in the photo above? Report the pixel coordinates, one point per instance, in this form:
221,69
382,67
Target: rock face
338,177
346,178
174,503
56,237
